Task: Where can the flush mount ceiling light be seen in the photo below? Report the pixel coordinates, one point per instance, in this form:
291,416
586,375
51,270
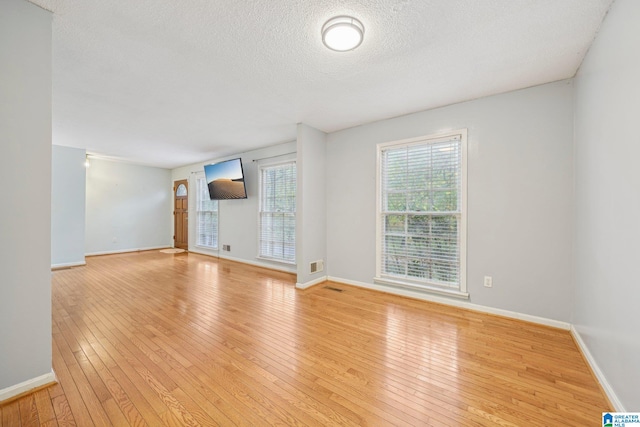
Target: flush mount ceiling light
342,33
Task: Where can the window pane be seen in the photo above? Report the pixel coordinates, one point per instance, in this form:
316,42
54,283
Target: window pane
418,247
419,201
422,180
394,223
445,201
395,265
181,190
396,202
206,217
395,245
419,268
418,224
395,170
277,212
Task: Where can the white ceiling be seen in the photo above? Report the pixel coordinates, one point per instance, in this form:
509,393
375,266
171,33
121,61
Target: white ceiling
168,83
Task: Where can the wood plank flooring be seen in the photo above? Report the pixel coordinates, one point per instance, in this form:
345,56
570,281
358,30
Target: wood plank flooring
158,339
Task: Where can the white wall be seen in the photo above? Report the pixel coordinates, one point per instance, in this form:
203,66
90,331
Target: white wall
519,196
68,189
607,187
128,207
238,219
25,217
311,219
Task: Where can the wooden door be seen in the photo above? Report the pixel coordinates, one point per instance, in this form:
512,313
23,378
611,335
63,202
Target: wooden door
181,214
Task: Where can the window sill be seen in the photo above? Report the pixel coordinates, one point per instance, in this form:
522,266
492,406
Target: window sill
206,248
421,288
277,260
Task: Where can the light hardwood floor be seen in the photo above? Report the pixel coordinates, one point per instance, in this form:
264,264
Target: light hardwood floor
156,339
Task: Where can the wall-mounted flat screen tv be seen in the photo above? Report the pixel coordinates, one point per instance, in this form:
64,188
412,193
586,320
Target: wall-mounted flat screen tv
226,180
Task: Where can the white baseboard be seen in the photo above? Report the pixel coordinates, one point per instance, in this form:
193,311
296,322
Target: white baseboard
125,251
613,398
311,283
68,265
456,303
25,386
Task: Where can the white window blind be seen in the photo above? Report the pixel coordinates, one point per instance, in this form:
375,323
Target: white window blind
206,216
277,239
420,224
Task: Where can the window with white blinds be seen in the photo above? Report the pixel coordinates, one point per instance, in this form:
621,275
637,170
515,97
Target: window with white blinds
421,212
206,216
277,239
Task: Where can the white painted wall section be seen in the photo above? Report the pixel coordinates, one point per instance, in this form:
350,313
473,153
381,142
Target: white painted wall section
519,196
25,219
311,221
128,207
68,190
607,211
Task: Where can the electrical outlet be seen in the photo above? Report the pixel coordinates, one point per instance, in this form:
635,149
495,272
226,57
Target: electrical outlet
226,247
488,282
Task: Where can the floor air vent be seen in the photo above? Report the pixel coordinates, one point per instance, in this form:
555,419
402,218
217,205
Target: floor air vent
331,288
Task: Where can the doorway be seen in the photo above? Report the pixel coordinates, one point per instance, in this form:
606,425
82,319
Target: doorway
181,214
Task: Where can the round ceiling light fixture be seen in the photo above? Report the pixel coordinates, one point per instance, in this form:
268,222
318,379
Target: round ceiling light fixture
342,33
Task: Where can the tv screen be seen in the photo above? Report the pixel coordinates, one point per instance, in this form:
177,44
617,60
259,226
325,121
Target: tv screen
226,180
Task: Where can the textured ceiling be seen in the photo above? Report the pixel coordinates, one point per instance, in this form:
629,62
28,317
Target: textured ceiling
167,83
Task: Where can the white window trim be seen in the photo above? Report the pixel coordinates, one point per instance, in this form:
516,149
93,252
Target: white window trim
461,292
270,164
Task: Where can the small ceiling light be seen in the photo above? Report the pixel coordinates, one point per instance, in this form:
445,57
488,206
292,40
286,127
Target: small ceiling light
87,163
342,33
